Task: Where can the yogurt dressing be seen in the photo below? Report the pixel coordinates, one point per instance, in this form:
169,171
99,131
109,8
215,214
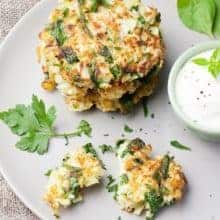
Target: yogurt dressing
198,94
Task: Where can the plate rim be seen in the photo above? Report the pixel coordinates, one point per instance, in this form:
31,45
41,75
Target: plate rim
3,171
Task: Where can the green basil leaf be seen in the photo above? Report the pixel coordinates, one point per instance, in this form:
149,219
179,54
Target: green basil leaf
214,69
201,61
198,15
215,56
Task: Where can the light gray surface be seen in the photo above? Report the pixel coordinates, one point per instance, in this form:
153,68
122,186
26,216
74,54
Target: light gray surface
201,165
10,206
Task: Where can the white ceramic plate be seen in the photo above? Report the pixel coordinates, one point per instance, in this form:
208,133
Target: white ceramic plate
20,77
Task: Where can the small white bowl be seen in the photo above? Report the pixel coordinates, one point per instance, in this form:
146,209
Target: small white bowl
204,133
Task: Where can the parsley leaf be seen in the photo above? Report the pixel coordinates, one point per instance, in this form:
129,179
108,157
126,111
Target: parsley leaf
213,63
155,201
88,148
128,129
178,145
112,186
83,128
34,125
106,148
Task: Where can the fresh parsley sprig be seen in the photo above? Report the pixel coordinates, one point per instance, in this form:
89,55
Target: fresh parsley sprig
34,124
213,63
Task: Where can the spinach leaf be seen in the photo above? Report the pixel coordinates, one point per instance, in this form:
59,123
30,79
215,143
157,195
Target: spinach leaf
70,55
165,166
105,52
58,32
141,20
93,75
198,15
116,71
217,19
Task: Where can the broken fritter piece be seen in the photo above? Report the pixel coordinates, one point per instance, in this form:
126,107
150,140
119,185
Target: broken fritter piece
145,184
77,171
